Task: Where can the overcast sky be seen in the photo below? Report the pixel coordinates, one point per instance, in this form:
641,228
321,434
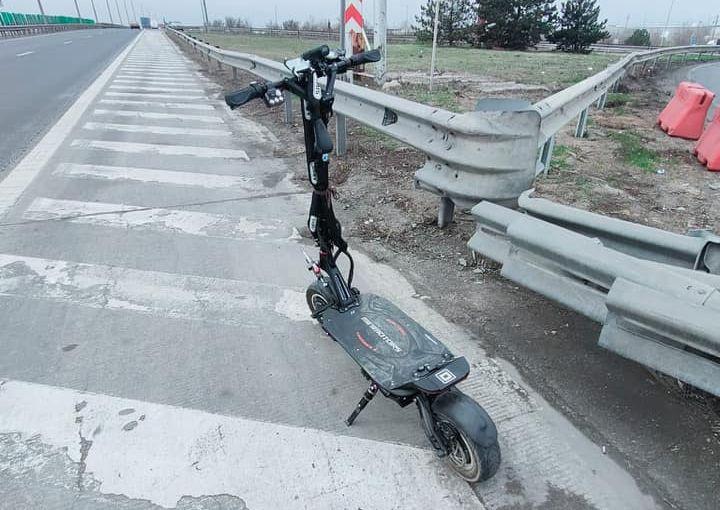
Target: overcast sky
640,12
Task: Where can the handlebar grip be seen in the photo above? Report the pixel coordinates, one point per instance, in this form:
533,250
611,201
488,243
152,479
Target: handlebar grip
242,96
316,54
366,57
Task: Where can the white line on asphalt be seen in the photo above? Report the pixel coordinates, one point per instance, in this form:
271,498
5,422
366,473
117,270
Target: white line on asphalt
18,179
24,54
156,89
153,81
160,220
67,42
159,104
150,71
154,96
173,69
209,119
160,453
155,130
162,150
167,295
151,175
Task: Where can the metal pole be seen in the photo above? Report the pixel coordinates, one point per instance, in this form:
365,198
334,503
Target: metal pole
42,11
667,21
92,2
132,5
127,14
107,3
205,15
77,9
434,46
117,6
380,41
340,120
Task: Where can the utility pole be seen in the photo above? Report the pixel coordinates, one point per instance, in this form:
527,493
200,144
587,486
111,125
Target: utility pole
205,15
380,39
277,23
92,2
117,6
434,46
42,11
667,20
107,3
77,9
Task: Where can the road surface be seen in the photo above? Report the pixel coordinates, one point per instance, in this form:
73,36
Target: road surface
42,75
157,350
709,76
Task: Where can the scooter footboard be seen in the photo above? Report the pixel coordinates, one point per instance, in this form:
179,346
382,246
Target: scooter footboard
467,415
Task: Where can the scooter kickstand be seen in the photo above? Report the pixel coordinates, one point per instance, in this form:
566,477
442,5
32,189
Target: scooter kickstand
365,400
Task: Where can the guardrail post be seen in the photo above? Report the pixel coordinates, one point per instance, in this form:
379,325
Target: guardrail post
340,134
234,73
684,59
446,212
219,64
288,107
581,124
602,100
669,61
546,155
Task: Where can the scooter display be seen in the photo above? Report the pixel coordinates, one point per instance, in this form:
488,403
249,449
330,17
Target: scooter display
400,359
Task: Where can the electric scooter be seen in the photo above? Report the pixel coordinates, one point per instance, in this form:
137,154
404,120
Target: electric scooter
401,359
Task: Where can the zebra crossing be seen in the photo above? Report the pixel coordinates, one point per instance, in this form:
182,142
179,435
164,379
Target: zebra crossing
156,344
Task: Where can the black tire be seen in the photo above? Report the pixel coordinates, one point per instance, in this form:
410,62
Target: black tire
473,462
318,296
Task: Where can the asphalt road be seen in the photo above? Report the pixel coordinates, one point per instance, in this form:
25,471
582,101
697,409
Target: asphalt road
41,76
709,76
157,348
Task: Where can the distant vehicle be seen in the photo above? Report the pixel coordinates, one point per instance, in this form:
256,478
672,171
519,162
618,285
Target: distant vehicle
144,22
153,23
135,25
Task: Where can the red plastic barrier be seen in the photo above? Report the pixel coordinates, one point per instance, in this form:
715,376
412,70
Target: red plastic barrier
707,149
685,115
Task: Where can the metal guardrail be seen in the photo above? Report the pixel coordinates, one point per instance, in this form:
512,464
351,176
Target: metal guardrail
393,36
11,31
664,317
470,155
486,155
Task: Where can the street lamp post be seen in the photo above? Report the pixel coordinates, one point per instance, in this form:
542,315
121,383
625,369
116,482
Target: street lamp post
107,3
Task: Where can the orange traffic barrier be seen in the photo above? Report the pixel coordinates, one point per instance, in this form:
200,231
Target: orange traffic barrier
707,149
684,116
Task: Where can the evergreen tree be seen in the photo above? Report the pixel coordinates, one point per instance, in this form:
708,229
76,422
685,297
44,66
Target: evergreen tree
513,24
579,26
456,17
639,37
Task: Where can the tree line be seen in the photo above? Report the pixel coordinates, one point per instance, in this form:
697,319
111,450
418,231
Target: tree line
513,24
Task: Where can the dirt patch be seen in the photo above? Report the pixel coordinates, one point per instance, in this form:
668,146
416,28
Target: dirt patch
628,168
666,442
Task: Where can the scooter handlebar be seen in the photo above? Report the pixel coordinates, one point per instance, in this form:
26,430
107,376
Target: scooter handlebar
243,96
366,57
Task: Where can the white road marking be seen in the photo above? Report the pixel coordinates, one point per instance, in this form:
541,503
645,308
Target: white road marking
67,42
156,89
209,119
174,97
151,72
164,69
171,452
156,219
151,175
24,54
18,179
156,130
159,104
154,81
154,293
162,150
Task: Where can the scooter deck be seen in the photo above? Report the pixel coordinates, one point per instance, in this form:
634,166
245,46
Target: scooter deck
390,346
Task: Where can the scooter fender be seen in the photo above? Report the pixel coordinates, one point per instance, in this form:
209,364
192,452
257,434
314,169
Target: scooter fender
468,415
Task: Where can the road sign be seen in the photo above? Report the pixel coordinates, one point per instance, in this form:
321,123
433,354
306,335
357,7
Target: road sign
354,27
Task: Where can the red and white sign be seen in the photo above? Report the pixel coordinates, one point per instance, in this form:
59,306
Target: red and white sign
354,27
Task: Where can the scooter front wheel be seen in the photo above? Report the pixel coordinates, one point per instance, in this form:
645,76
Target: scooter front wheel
318,296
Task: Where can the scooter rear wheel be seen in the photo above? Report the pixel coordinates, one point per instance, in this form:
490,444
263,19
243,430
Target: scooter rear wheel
472,461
